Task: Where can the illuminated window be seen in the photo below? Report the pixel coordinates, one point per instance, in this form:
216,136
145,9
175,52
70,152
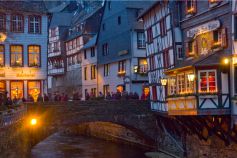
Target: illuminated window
172,85
189,85
2,86
122,67
34,88
34,24
17,23
93,72
2,52
16,55
17,89
106,89
120,88
34,56
207,81
142,64
2,22
190,6
181,83
213,3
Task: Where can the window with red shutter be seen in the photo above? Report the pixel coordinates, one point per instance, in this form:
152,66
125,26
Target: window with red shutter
149,35
154,93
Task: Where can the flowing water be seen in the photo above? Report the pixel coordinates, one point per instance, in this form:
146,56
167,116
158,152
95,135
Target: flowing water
58,146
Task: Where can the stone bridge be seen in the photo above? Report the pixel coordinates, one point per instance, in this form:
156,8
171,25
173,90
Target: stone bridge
131,121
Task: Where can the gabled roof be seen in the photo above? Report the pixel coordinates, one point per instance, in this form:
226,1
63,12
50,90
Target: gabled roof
148,9
23,6
91,42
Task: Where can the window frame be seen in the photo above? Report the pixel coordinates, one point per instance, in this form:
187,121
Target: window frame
93,72
22,55
85,73
22,24
40,24
163,28
3,22
122,66
29,55
92,51
207,75
34,81
105,49
23,87
85,54
141,43
106,70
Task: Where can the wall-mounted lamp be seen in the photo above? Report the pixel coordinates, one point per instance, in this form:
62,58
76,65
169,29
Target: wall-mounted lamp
163,81
135,69
191,77
226,61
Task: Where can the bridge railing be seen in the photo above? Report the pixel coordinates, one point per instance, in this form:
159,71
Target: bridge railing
11,116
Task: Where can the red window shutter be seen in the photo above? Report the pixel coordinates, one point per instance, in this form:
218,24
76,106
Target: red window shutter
154,93
223,37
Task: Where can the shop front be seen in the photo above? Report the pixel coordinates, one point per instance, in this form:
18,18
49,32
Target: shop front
18,83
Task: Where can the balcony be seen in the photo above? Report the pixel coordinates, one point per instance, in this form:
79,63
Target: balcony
56,71
55,52
143,69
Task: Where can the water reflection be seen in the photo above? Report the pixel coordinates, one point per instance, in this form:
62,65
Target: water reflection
58,146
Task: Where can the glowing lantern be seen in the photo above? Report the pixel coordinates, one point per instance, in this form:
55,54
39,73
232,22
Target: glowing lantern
163,81
191,77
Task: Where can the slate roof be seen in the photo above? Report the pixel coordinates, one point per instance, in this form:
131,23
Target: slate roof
61,19
91,42
23,6
212,59
148,9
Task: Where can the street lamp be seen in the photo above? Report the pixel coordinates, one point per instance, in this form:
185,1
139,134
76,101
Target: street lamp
226,61
33,121
163,81
191,77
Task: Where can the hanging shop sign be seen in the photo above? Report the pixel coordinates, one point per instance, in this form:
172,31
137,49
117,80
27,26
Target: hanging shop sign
207,27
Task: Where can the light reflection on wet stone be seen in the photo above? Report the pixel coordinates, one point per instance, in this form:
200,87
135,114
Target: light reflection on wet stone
58,146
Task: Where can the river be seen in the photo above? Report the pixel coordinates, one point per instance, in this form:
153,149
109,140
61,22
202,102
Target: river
60,146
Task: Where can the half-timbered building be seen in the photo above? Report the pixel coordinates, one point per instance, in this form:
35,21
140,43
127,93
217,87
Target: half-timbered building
163,45
199,84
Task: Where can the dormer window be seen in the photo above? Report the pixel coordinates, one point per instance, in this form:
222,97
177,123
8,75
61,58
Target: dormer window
190,7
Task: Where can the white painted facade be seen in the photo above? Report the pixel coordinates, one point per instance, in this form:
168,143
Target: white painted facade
131,81
25,73
90,83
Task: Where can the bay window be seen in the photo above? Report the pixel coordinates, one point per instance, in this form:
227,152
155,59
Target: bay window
17,89
34,24
172,85
181,83
189,84
2,55
17,23
2,22
33,56
16,55
34,88
207,81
